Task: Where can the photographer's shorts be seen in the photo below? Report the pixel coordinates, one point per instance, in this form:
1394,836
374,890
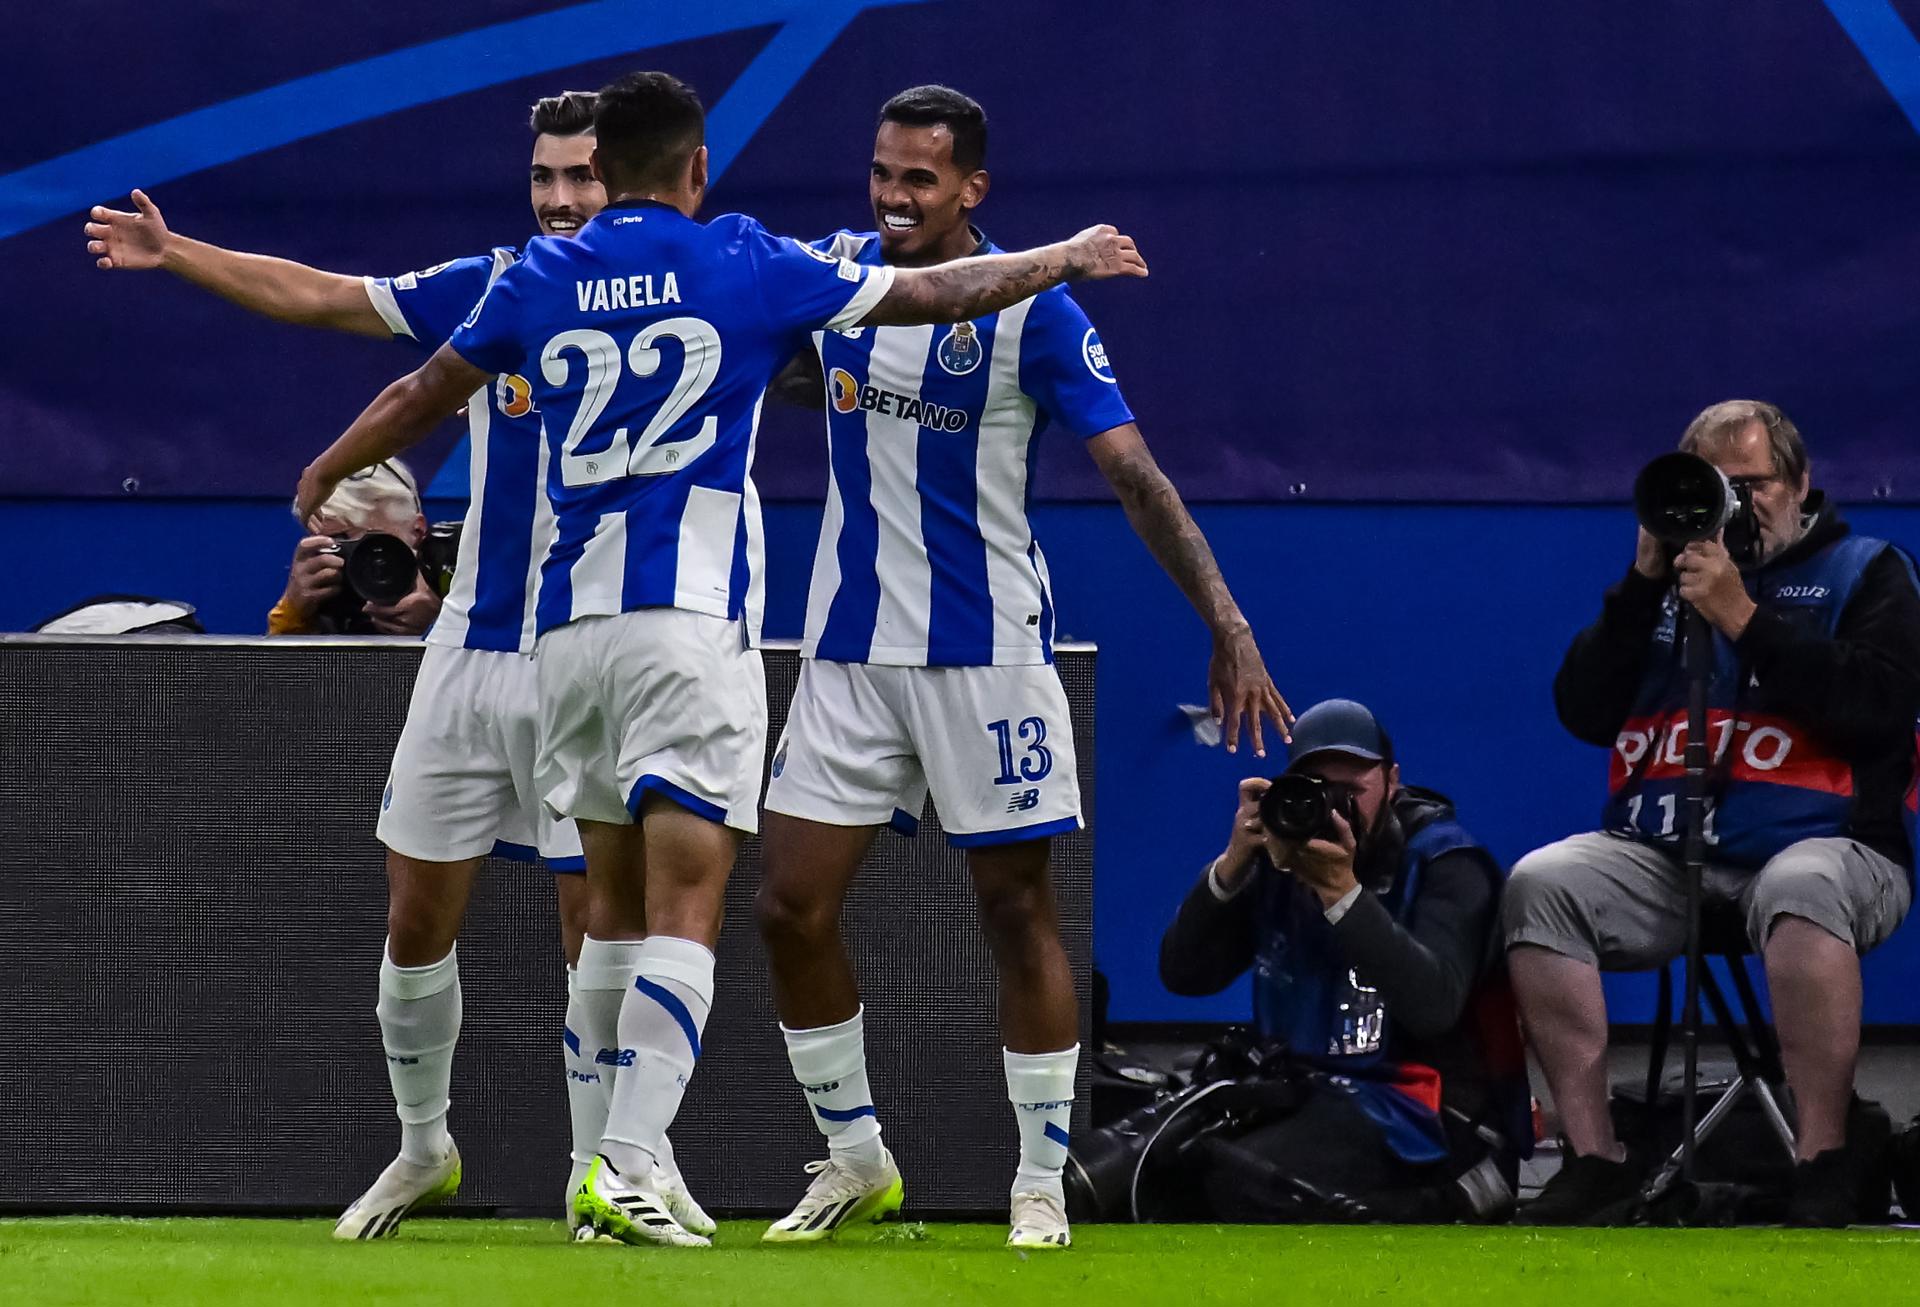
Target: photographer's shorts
462,783
1622,904
657,701
864,744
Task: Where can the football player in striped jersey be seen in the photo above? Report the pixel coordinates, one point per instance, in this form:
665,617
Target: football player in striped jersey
929,660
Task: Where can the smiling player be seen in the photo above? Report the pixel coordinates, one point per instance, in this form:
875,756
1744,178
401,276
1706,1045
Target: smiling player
929,662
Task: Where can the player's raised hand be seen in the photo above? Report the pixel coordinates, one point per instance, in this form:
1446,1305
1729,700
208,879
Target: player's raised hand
1242,692
135,240
314,490
1101,252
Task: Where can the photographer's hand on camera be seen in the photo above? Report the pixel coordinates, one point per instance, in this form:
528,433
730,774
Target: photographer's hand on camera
1710,581
1324,866
412,615
314,578
1232,868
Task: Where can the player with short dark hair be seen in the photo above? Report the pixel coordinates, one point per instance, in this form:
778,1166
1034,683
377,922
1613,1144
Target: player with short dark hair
928,661
654,338
461,786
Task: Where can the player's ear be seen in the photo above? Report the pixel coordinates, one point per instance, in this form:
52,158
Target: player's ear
697,171
599,173
974,190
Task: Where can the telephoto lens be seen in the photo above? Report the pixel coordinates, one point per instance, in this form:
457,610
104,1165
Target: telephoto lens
1680,498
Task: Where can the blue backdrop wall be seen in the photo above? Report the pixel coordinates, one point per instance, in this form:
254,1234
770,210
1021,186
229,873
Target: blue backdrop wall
1449,620
1491,253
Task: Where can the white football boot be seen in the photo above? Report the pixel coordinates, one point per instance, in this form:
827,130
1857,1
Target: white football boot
840,1195
404,1187
1039,1221
608,1205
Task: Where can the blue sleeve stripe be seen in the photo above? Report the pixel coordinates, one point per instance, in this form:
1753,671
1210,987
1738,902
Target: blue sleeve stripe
667,999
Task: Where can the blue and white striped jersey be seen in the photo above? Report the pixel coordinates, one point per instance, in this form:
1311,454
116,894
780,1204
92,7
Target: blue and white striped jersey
926,555
508,522
651,340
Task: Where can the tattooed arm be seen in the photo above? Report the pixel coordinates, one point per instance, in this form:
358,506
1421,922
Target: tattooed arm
1237,677
987,283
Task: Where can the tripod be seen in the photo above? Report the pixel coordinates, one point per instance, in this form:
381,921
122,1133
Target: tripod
1757,1060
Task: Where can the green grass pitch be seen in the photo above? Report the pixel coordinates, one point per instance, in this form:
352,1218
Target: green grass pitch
68,1262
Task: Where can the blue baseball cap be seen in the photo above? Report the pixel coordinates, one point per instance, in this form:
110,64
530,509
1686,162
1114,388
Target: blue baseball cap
1339,726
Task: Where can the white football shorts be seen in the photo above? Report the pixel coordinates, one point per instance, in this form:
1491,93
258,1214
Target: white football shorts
660,700
865,743
462,781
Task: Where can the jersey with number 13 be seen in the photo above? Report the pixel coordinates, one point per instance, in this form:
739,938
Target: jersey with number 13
650,340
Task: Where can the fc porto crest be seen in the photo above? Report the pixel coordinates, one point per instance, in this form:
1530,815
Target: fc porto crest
960,350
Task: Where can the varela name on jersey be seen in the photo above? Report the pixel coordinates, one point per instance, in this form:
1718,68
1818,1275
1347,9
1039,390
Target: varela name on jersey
926,554
635,290
650,340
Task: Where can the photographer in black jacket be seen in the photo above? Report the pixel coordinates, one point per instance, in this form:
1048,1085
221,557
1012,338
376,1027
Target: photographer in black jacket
1370,946
1812,711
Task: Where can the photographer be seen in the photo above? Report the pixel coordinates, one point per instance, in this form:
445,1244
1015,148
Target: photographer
320,599
1370,937
1812,703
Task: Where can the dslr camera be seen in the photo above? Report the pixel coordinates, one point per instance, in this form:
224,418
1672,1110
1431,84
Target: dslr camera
1299,806
382,569
1680,498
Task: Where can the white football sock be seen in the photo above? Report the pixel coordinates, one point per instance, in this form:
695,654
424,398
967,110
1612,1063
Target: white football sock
586,1087
663,1160
419,1014
661,1020
600,982
830,1062
1040,1086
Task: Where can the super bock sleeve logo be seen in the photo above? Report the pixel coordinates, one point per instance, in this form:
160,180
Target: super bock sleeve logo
1095,355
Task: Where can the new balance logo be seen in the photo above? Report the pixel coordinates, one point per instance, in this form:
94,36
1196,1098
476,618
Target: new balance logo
1024,801
614,1057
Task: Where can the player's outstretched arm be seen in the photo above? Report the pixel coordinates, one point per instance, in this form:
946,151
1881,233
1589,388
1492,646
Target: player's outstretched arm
398,419
1237,677
987,283
274,288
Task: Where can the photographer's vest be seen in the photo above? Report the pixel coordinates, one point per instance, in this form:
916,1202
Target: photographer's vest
1308,997
1771,782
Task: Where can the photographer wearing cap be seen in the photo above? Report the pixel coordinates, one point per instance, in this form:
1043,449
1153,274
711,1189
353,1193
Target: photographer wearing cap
357,572
1368,916
1812,702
